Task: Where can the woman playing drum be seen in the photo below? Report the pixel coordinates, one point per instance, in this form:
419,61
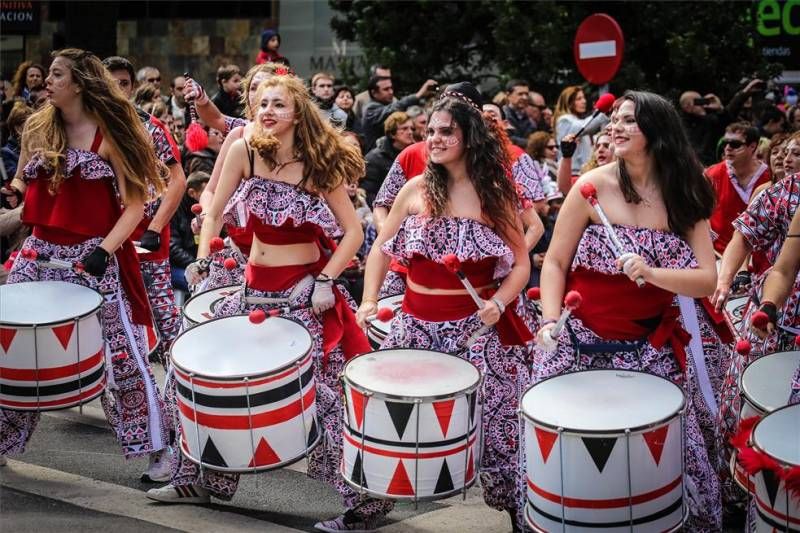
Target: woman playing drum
464,205
83,155
286,185
658,202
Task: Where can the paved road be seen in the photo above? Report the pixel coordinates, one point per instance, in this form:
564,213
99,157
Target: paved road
73,478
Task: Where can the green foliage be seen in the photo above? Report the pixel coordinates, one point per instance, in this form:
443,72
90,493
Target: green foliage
669,46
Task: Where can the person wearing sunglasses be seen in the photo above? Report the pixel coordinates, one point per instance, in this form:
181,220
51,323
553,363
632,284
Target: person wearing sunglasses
734,179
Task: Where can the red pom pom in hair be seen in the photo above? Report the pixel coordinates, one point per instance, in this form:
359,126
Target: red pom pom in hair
573,300
588,191
196,138
760,319
384,314
257,317
451,262
229,263
197,209
743,347
534,293
216,244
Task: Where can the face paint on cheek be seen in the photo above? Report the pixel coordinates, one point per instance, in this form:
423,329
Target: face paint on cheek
631,129
284,116
450,140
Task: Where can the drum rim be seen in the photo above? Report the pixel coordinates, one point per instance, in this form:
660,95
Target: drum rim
746,396
371,327
257,470
759,448
27,325
635,429
410,399
288,365
187,302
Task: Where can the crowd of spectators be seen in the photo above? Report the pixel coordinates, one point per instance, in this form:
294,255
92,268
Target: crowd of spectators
382,124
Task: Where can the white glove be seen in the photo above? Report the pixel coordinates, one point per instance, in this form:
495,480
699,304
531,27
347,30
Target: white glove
545,340
322,298
196,272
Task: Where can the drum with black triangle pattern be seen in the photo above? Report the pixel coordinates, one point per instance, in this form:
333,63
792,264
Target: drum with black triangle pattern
411,425
776,439
52,353
246,393
603,451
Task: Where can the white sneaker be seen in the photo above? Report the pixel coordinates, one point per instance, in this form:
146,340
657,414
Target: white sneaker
179,494
159,468
338,524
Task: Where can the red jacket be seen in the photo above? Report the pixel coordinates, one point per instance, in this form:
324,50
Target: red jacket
729,204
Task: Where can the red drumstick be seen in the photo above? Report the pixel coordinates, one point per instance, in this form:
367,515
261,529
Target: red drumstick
534,293
216,244
572,301
760,320
743,347
230,263
589,192
384,314
453,264
196,136
32,255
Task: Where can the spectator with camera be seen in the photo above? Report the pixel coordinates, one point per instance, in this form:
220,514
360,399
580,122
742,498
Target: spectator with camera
381,90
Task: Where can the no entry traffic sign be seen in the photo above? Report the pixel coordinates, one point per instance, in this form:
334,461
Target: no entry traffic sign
598,48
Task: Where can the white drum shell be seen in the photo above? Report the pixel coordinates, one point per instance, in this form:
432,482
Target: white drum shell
56,364
735,308
430,450
378,330
777,435
595,468
246,423
200,307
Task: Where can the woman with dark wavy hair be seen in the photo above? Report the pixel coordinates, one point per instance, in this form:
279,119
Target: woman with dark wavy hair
658,202
85,154
463,204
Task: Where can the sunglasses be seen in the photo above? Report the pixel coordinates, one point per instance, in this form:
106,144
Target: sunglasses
733,143
551,146
153,80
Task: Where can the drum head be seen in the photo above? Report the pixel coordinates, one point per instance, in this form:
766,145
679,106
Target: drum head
778,435
602,401
735,308
408,373
766,382
393,303
45,302
233,347
200,307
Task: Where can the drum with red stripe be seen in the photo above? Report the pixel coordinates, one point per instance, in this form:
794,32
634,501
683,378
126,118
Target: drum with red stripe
200,307
411,427
776,438
735,309
765,385
246,393
52,353
603,451
377,330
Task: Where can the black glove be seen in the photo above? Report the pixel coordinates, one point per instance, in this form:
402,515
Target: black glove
741,281
96,262
150,240
568,148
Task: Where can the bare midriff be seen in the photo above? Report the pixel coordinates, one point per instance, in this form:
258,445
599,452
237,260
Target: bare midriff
303,253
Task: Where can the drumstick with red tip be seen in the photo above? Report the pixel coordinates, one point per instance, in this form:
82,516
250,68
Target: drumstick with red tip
589,192
572,301
743,347
453,264
230,263
534,293
197,210
760,320
32,255
216,245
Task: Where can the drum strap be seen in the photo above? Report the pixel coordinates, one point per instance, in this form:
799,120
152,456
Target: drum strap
692,324
298,289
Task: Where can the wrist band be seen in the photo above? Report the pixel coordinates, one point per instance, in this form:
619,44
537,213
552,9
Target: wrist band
500,305
370,300
548,321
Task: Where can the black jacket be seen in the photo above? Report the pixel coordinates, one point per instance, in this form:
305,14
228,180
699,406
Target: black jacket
228,105
376,113
379,160
182,246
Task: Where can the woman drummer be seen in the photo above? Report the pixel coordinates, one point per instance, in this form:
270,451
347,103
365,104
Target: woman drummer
658,203
464,204
210,273
84,154
289,179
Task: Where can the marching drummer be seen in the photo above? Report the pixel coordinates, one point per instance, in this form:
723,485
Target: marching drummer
658,203
83,154
462,214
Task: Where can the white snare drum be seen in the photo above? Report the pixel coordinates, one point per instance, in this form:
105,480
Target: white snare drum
412,422
734,310
377,330
52,352
778,436
765,385
200,307
603,450
246,393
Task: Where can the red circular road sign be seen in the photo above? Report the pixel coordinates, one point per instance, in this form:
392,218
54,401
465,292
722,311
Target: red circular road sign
598,48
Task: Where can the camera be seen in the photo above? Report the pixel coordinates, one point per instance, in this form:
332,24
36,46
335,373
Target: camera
702,101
